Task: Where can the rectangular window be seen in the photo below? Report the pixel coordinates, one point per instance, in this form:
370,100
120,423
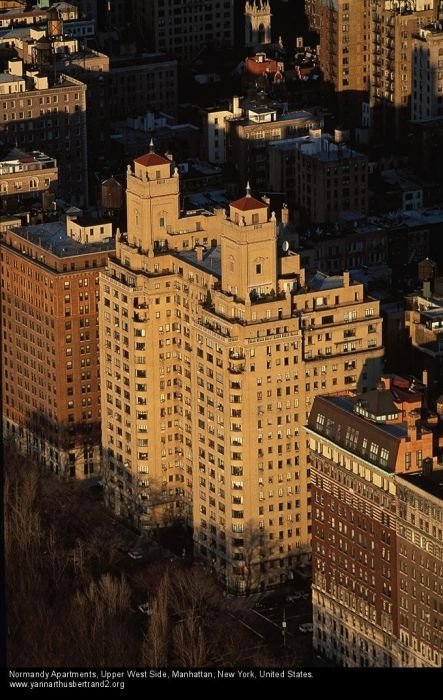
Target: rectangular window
384,456
373,451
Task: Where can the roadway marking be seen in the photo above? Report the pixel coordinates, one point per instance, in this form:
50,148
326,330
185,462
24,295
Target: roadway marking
251,629
267,619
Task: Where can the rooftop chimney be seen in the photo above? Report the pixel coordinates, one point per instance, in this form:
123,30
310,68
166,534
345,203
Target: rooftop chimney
15,67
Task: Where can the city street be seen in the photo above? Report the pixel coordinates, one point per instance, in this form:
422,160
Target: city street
264,614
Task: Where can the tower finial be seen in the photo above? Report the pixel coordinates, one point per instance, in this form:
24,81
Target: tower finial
248,189
151,146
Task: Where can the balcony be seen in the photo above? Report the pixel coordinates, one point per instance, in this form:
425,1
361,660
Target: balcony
236,355
236,369
257,298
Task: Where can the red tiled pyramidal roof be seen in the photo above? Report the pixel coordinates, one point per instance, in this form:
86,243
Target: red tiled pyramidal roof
247,203
151,159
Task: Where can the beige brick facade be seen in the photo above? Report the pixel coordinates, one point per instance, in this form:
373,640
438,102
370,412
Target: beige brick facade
213,347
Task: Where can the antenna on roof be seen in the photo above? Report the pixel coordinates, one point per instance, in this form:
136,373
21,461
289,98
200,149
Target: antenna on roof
248,189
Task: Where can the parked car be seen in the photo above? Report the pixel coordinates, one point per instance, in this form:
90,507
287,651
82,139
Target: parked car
306,627
135,555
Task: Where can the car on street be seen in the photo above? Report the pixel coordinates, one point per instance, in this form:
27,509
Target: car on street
306,627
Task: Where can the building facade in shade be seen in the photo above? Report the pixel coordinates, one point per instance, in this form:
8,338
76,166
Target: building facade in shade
359,446
213,347
427,76
40,114
184,29
345,44
394,26
142,82
313,14
330,177
249,133
50,361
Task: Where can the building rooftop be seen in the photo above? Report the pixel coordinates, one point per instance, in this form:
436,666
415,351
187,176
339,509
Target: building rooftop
370,425
211,260
325,149
321,282
54,238
139,60
8,78
248,203
432,483
150,159
85,221
207,200
11,158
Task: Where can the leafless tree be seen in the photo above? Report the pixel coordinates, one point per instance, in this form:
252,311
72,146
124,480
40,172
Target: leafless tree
253,548
155,648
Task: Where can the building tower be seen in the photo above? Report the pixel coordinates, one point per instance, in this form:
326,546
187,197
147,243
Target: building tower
257,22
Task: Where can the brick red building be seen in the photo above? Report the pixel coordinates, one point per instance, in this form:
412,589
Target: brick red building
358,448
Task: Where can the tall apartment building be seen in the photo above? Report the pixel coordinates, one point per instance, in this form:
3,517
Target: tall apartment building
427,73
345,43
182,29
50,360
330,177
213,346
394,26
38,113
368,610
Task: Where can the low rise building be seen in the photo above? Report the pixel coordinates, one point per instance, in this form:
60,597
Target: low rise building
330,178
27,179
